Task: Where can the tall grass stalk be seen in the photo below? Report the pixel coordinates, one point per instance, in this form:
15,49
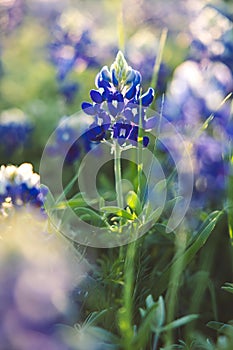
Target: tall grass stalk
174,283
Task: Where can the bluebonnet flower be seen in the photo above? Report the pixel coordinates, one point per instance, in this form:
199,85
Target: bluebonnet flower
67,50
118,105
20,186
15,131
67,144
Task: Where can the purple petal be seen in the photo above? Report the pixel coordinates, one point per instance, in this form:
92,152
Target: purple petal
96,96
147,98
151,123
88,108
145,141
129,115
131,92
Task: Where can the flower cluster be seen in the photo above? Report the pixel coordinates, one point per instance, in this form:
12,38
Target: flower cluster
118,105
15,130
20,186
67,52
211,34
189,99
14,135
197,91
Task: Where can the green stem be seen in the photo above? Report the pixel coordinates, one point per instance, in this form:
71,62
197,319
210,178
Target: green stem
117,171
230,200
155,342
126,312
139,154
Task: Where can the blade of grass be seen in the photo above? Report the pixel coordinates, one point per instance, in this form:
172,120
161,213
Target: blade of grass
190,252
162,42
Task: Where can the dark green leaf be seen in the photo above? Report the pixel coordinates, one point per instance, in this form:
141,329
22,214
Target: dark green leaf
118,211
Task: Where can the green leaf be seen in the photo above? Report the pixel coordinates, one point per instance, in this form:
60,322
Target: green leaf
162,229
179,322
144,330
228,287
89,214
134,202
77,201
190,252
150,302
171,203
155,215
120,212
220,327
160,186
104,336
159,312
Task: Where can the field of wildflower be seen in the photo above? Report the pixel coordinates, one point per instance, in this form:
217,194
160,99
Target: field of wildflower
116,175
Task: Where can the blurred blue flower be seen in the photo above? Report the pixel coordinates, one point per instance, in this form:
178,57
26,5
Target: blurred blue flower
15,130
14,135
67,144
46,12
69,90
20,186
38,272
117,103
211,170
198,90
69,51
211,36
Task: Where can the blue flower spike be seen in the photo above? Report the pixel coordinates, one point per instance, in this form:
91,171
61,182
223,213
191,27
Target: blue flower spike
118,98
